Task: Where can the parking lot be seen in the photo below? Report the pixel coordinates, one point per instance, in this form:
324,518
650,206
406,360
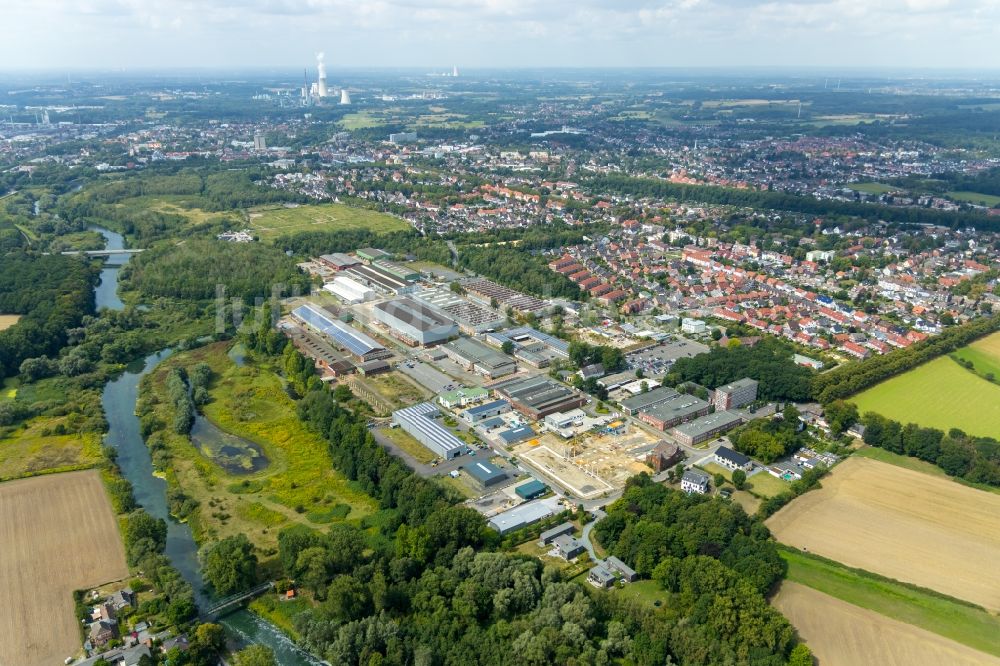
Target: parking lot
657,361
427,376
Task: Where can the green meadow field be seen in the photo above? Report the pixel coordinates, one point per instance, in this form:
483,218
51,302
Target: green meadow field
939,394
273,222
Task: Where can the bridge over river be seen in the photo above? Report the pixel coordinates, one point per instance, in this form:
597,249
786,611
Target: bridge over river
235,601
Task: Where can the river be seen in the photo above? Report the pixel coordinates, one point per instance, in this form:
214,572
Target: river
119,400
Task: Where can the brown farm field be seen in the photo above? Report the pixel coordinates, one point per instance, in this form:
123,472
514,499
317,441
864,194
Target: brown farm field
8,320
841,634
902,524
57,534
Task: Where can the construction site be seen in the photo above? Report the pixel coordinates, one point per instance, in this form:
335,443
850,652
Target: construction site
589,464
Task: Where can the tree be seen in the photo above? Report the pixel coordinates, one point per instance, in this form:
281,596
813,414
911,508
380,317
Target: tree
231,565
718,479
313,567
716,334
255,655
209,637
840,415
144,535
507,347
342,393
739,479
800,656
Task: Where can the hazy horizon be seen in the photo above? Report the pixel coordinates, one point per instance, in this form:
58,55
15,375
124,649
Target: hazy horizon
501,34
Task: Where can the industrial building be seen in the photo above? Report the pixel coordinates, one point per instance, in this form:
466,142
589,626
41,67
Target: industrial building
531,490
535,348
380,279
414,323
523,515
344,336
537,397
485,473
371,254
421,422
472,318
515,435
565,423
735,395
645,401
489,410
338,261
678,410
348,290
478,357
398,270
488,291
706,427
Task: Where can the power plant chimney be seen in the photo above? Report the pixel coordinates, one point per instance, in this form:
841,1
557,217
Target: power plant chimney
321,70
345,97
454,70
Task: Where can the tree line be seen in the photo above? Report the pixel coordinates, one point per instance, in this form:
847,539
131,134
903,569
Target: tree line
975,459
851,378
747,198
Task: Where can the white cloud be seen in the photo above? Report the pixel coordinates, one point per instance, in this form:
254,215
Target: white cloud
480,33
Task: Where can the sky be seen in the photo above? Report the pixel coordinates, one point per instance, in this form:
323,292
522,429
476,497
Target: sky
164,34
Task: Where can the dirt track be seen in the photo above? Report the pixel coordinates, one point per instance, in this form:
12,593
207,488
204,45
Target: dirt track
841,634
903,524
57,534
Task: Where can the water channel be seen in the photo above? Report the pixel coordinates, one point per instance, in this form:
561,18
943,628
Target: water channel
119,400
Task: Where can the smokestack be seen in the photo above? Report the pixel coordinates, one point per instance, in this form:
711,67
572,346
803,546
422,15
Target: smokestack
345,97
454,70
321,70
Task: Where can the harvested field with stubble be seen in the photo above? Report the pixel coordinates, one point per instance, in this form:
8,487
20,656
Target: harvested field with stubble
57,534
841,634
902,524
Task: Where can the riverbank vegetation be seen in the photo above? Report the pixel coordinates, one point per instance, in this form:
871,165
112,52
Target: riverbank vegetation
298,486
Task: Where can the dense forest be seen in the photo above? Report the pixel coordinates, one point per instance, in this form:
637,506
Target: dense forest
975,459
769,362
196,269
847,380
661,189
52,294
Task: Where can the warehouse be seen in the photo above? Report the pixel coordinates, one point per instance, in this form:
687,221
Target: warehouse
485,473
354,341
371,254
523,515
349,291
421,422
339,261
474,355
380,280
706,428
645,401
402,272
490,410
414,323
535,348
537,397
472,318
670,413
531,490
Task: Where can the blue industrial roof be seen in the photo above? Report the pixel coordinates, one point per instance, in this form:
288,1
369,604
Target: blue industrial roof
517,434
526,331
488,407
484,472
492,423
351,339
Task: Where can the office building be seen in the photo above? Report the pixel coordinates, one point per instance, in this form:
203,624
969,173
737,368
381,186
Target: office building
735,395
706,428
678,410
